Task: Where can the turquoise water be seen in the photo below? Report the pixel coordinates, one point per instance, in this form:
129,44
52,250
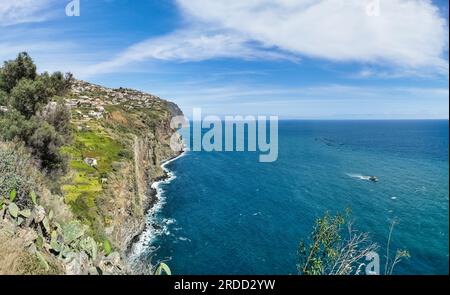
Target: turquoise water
226,213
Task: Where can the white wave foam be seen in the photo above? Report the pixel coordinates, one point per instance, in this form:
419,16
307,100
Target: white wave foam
359,176
184,239
154,228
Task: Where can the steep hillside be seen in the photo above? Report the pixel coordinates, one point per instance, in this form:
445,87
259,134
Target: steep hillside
86,219
120,138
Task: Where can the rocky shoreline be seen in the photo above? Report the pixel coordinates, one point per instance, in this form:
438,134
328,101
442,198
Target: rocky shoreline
130,188
85,217
151,208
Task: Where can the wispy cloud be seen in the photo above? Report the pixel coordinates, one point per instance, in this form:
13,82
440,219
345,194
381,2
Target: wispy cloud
190,46
24,11
410,35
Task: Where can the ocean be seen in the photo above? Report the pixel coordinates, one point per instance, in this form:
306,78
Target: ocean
227,213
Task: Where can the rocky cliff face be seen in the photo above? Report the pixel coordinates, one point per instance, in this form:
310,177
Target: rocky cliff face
86,221
126,135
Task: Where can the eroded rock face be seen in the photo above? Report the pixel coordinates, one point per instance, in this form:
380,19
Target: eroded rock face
111,265
142,122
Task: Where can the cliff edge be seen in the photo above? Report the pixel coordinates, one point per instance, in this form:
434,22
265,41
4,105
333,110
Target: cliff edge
121,136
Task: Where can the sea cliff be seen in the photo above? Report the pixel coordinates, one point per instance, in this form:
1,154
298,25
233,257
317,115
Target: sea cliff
136,126
86,219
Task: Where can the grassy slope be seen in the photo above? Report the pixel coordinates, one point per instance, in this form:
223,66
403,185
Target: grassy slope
110,141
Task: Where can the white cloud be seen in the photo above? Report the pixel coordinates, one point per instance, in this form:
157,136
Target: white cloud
190,45
406,33
403,34
14,12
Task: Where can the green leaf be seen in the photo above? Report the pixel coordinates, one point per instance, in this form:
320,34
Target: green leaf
25,213
13,210
40,242
33,198
54,242
107,247
42,260
58,228
50,215
46,224
20,220
162,267
12,195
72,231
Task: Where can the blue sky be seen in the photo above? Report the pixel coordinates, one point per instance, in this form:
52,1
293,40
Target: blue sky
329,59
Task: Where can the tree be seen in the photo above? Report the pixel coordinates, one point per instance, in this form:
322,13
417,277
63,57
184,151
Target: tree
44,127
58,115
13,71
30,95
57,82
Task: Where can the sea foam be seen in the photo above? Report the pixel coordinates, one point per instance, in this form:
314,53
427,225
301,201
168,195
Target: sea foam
154,227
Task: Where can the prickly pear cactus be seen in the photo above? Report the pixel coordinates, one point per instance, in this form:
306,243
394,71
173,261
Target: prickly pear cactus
89,246
54,244
72,231
13,210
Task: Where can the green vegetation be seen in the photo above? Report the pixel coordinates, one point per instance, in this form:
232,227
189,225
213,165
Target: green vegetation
14,71
74,161
65,241
34,115
18,173
84,187
333,251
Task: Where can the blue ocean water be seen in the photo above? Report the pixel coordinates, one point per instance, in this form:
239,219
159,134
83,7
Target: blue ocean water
226,213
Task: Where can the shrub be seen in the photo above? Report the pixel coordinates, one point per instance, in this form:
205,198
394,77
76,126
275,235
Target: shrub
58,115
45,143
13,125
333,250
3,98
28,96
18,172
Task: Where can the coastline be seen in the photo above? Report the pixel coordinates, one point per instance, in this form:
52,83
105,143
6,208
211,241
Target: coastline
152,228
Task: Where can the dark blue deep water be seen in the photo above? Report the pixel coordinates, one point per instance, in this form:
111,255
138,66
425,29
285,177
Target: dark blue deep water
226,213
